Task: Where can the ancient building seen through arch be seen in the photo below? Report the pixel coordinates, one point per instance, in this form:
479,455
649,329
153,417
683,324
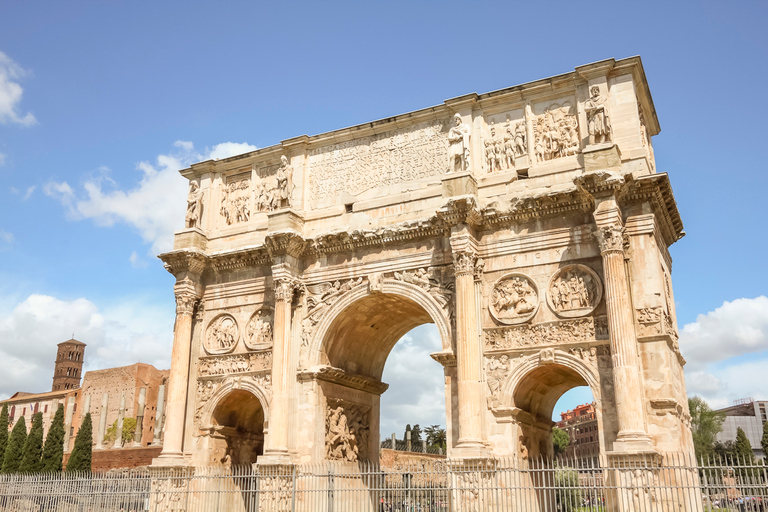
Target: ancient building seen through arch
530,225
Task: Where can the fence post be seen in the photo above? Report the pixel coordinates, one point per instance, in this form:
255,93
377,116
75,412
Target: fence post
293,491
330,488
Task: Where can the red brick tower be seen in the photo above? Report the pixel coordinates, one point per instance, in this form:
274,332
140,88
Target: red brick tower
69,365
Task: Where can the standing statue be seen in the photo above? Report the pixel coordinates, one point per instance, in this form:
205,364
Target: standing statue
194,206
284,179
458,137
598,124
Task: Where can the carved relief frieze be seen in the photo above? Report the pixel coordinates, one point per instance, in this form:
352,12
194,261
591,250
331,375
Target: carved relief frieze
514,299
221,335
505,144
346,430
566,331
318,298
264,381
556,132
574,291
235,363
497,369
437,281
236,199
396,156
274,186
258,332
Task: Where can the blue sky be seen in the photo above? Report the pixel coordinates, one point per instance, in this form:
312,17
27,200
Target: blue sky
100,104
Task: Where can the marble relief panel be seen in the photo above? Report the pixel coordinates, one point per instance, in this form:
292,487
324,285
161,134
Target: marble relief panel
555,130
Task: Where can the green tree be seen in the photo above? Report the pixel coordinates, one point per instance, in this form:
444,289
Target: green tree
31,458
744,451
567,493
725,450
13,452
764,439
416,434
129,429
80,458
3,430
436,436
705,425
560,440
53,450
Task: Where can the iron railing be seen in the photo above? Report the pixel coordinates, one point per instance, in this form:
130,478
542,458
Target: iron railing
631,483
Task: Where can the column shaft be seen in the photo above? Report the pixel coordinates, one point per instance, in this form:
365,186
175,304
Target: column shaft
468,354
179,377
277,440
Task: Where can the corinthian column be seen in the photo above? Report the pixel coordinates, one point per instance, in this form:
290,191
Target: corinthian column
277,440
468,353
626,362
179,377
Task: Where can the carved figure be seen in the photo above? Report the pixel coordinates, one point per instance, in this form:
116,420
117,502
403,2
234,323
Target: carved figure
574,291
495,373
520,146
259,329
235,202
458,137
284,188
222,335
514,299
598,124
509,154
340,442
556,133
489,155
194,206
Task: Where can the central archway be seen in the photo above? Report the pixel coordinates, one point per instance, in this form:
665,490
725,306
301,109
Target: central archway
353,342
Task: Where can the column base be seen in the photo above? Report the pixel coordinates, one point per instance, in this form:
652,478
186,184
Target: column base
632,442
274,458
470,449
171,460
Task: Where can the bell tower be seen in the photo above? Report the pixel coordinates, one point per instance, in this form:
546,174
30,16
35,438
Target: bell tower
69,365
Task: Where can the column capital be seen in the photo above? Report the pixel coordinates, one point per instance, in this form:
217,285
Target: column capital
285,287
464,263
610,238
185,303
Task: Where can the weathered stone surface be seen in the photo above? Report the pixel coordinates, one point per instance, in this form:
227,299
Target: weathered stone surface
528,224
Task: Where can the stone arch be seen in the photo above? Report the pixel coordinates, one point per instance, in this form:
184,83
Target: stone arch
418,306
235,418
535,385
225,389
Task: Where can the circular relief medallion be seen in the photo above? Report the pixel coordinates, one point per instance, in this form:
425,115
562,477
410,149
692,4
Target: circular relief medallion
574,291
258,332
221,336
514,300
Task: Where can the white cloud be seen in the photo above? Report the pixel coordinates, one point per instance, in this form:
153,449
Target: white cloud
155,206
10,93
727,352
28,193
121,335
2,159
6,239
416,393
136,261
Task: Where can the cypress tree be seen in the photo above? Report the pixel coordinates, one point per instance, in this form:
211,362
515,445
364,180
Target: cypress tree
53,451
3,430
15,447
80,458
33,448
743,447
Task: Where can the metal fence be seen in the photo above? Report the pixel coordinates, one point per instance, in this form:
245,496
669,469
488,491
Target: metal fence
629,483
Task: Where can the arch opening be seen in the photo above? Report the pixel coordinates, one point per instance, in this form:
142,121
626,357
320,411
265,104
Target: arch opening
538,394
238,423
360,340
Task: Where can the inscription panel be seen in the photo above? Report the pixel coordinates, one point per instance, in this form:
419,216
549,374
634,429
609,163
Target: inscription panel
397,156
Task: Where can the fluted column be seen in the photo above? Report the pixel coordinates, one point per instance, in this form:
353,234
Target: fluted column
468,353
277,439
179,377
626,362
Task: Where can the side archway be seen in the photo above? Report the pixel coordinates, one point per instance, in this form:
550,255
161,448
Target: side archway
534,387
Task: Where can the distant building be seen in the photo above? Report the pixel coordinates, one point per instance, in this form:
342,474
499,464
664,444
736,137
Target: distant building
749,414
142,384
581,426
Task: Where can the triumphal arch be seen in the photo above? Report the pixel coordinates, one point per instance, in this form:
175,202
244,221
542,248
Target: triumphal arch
529,224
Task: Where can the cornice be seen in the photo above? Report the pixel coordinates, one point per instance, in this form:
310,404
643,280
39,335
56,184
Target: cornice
342,378
284,243
244,258
545,205
184,260
657,190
